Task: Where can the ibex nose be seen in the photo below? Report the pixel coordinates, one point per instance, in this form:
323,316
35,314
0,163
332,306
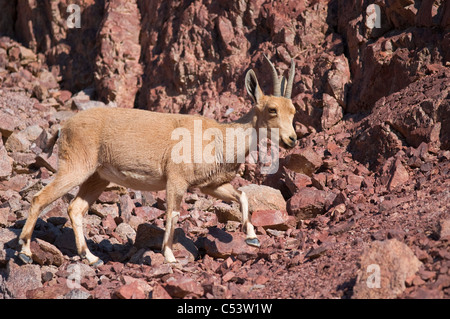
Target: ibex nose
293,138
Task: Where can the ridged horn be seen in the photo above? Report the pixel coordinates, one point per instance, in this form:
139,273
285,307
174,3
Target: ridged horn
275,78
290,80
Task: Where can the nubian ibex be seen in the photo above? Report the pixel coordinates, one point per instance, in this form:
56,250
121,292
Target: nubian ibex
135,148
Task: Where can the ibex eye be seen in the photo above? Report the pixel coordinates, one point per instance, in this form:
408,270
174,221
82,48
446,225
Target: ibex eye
273,111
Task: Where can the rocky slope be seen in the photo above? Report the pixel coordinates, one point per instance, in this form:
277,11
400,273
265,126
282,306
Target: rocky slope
367,185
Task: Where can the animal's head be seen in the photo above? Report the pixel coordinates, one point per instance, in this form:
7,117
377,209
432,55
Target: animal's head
277,110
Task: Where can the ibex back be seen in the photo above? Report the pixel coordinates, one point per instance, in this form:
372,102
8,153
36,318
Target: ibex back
134,148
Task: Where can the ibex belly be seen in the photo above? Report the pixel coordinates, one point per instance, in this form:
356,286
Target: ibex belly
138,179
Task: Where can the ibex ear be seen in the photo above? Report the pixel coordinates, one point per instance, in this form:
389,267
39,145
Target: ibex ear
252,86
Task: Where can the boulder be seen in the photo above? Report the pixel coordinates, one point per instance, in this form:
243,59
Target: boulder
309,202
221,244
227,212
261,197
21,278
384,268
179,286
305,161
45,253
273,219
131,290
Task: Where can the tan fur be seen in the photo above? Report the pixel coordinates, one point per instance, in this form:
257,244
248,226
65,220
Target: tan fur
133,148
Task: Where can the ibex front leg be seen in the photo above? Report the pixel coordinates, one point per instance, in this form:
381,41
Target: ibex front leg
228,193
174,195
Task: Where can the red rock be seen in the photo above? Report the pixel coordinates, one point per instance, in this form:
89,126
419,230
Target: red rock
426,293
17,142
160,293
220,292
16,183
108,197
354,182
5,162
378,140
210,263
64,96
56,291
261,280
305,161
181,286
395,262
7,124
294,181
132,290
4,212
338,79
332,112
262,197
309,202
226,212
319,251
159,270
148,213
126,207
221,244
45,253
20,279
109,224
118,70
443,281
275,219
228,276
399,175
48,160
125,232
226,32
103,210
319,181
444,228
426,275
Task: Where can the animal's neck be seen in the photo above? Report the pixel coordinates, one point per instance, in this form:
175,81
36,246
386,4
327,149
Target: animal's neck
248,120
248,126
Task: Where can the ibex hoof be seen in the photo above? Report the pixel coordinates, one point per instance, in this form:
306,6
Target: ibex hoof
26,259
253,242
99,262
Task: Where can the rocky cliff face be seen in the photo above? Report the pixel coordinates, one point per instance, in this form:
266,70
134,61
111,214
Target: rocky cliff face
191,56
372,164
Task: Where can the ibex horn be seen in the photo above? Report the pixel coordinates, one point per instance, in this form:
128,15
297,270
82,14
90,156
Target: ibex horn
290,80
275,78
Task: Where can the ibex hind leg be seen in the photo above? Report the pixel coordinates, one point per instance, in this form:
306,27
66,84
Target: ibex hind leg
61,185
88,193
